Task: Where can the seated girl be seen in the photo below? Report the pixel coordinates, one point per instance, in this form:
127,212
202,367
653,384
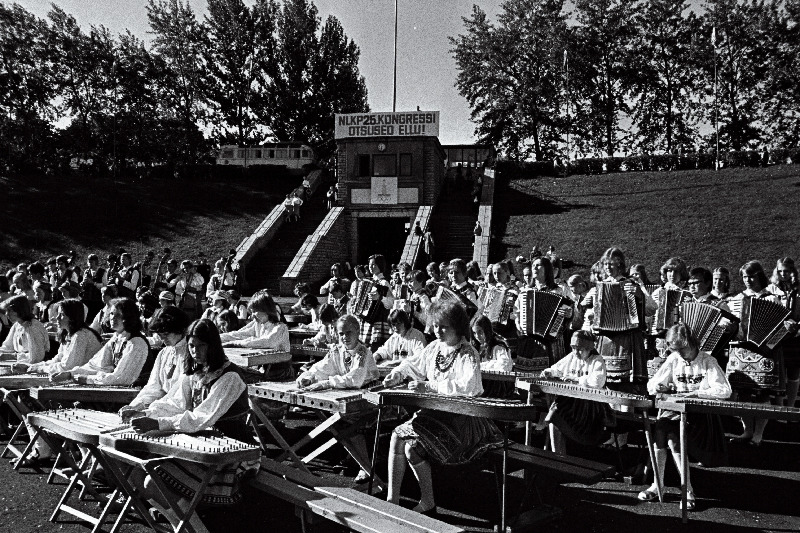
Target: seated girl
492,349
102,320
264,331
690,373
122,358
77,342
349,365
327,330
309,305
405,340
169,326
209,394
449,366
227,321
219,303
45,310
27,338
580,420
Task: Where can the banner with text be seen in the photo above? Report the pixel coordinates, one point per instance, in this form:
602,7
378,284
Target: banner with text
400,124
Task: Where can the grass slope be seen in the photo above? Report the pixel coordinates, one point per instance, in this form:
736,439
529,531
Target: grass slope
708,218
43,217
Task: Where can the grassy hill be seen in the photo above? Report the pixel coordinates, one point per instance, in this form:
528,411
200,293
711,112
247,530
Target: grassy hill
708,218
43,217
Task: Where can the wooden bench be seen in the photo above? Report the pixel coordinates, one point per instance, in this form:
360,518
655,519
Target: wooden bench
553,466
313,496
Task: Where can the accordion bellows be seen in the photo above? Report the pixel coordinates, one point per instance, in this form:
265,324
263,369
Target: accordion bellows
362,305
667,313
538,313
497,304
614,309
762,322
708,323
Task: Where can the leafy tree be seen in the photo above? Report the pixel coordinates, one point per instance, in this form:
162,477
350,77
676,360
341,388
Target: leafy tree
26,89
512,75
179,41
604,70
231,64
665,78
745,52
782,91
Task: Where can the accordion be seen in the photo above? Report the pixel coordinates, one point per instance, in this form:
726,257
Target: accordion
444,294
667,313
497,304
538,313
711,325
762,322
362,305
614,309
650,288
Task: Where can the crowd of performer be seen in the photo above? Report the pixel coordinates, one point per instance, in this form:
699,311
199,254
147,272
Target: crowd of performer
431,328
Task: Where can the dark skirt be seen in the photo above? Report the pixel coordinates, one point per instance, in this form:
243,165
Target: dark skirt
184,477
535,354
623,352
705,437
450,439
582,421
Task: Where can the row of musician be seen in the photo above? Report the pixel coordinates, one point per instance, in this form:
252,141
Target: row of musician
448,365
191,284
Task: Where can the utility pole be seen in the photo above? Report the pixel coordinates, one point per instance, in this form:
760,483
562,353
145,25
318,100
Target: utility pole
394,97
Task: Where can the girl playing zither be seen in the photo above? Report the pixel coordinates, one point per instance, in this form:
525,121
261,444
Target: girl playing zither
450,366
209,394
689,373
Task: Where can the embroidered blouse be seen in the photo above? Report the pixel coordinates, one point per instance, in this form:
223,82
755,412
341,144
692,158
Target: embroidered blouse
702,376
398,347
588,373
344,369
461,378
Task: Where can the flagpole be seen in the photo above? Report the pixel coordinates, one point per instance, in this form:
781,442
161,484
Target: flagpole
394,96
716,107
566,101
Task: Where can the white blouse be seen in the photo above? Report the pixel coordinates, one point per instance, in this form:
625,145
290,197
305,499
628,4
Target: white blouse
703,376
77,351
588,373
256,335
333,368
170,364
130,353
463,378
411,342
499,361
176,412
29,340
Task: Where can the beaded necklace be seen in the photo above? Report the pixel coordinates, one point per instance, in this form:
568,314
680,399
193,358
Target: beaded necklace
445,362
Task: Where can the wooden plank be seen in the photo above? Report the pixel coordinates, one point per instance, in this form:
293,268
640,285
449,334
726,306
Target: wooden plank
565,468
298,476
404,517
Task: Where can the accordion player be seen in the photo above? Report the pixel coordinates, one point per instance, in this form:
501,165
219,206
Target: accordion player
541,318
618,320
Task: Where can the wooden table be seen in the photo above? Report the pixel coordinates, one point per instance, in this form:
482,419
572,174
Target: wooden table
331,405
250,357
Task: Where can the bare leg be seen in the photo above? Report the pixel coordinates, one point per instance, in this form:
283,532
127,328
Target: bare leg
422,471
557,443
792,386
397,468
748,422
758,430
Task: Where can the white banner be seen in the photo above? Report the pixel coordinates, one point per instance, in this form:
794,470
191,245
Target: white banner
400,124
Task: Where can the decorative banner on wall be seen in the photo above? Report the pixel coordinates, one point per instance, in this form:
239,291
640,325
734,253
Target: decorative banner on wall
400,124
384,191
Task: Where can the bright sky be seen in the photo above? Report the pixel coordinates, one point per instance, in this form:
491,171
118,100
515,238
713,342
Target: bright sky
426,71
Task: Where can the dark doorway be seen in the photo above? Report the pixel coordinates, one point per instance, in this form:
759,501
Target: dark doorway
381,235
